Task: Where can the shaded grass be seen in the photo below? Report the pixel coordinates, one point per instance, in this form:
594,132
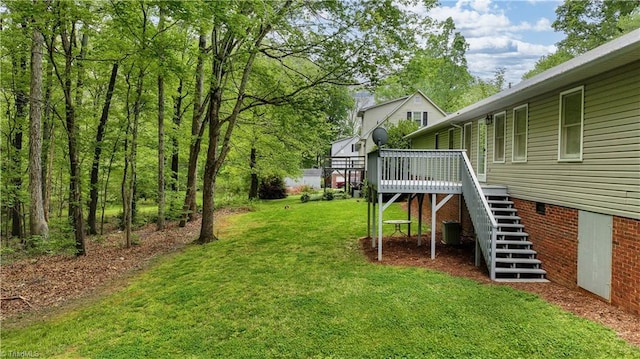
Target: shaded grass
293,283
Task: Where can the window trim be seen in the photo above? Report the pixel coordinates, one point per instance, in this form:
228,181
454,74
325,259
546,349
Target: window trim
424,117
526,134
504,137
562,94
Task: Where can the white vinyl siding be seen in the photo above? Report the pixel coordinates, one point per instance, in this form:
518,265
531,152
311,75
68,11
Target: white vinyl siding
571,124
499,136
520,132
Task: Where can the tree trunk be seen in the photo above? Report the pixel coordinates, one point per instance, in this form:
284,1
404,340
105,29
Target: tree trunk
175,151
208,187
47,145
80,67
16,143
197,130
21,102
97,151
37,223
160,223
161,155
253,189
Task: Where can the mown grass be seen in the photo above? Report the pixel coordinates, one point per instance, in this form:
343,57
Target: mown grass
293,283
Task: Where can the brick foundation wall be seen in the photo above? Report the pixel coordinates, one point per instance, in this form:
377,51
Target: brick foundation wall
625,271
555,238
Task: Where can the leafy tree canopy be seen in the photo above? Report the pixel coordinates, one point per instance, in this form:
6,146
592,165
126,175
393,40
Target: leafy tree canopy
588,24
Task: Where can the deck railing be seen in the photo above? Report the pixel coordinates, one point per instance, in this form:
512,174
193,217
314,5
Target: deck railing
436,171
411,171
484,222
341,162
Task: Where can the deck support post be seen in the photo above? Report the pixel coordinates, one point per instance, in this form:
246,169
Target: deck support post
435,206
420,202
434,210
372,200
409,215
380,210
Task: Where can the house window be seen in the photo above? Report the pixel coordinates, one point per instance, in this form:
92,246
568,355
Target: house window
571,123
437,141
499,135
450,139
421,118
520,128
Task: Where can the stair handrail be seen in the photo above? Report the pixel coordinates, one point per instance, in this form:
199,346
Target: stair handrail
485,224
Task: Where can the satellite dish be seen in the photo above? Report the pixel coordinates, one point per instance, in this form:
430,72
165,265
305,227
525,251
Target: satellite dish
380,136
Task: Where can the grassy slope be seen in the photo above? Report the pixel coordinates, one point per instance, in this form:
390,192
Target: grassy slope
292,283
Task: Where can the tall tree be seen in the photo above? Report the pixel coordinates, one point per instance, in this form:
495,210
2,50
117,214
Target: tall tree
197,131
16,112
161,156
587,24
336,39
37,223
65,28
439,70
97,151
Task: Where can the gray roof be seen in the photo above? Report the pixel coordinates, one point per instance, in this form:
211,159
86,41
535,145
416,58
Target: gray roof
616,53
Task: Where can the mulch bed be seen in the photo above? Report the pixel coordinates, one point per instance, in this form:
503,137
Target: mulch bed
459,261
33,284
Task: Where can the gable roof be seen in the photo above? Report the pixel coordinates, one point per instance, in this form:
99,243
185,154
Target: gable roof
403,99
345,139
616,53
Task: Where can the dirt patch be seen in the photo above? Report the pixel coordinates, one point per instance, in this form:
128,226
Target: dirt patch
459,261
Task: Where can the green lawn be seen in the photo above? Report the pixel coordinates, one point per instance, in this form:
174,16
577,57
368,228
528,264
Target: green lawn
293,283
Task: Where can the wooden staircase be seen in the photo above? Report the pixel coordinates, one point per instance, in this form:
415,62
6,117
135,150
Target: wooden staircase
515,257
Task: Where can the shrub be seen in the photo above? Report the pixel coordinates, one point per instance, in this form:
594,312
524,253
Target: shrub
272,188
328,196
305,198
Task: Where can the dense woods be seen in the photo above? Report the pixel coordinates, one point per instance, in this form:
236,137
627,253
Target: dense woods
111,105
185,106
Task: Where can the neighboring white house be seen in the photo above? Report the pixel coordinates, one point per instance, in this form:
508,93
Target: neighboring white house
310,177
416,107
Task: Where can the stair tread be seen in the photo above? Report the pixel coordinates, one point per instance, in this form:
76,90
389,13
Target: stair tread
518,260
506,217
515,251
521,270
497,201
495,209
513,234
511,225
515,241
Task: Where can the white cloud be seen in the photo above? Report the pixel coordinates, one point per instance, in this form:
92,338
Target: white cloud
495,41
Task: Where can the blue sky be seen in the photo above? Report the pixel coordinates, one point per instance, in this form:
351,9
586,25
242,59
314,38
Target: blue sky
509,34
